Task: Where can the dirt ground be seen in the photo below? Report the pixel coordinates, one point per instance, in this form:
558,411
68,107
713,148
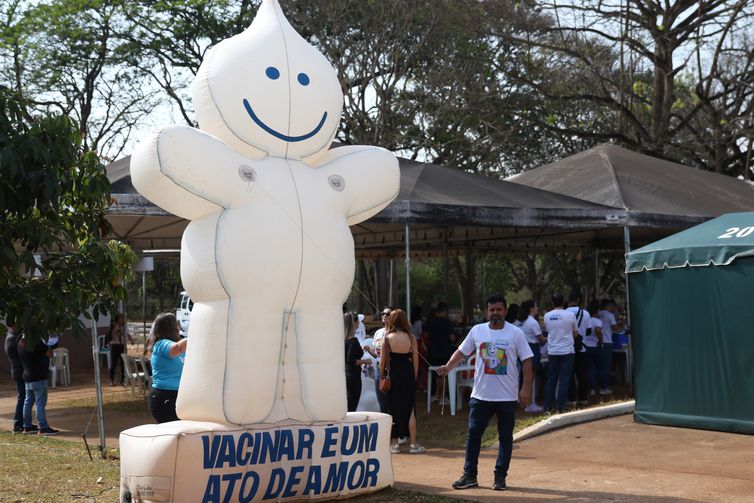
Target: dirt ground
613,459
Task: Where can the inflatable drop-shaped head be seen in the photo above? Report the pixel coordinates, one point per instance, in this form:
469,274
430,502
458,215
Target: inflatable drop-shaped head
267,91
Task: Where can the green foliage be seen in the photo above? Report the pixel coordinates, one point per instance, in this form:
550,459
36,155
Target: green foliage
54,260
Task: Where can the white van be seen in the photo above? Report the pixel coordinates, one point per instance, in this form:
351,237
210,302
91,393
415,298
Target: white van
183,313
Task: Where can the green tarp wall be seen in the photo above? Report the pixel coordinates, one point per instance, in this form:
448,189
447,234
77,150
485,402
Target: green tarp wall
693,327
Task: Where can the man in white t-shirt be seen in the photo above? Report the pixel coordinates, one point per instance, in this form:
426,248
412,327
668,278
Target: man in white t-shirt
579,380
609,325
562,329
528,314
497,346
593,344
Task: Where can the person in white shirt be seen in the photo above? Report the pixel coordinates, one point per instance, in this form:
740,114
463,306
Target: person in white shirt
527,316
375,349
361,331
497,346
579,380
609,325
593,344
561,328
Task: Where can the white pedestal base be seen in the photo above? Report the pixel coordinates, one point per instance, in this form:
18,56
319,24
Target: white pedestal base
187,461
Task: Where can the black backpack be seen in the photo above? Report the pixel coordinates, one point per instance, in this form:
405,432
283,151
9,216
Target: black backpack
580,316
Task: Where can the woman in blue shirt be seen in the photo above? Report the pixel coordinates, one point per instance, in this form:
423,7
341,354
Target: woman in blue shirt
168,354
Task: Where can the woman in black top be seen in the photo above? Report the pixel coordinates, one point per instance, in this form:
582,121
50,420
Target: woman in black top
400,360
354,352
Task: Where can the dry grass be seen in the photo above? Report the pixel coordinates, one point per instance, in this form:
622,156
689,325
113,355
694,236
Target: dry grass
40,469
44,470
115,401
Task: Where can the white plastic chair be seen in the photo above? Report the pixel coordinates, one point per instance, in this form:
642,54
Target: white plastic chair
133,376
60,364
141,367
104,350
465,382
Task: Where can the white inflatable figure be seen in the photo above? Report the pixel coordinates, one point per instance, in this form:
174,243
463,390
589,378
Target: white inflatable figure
493,362
268,256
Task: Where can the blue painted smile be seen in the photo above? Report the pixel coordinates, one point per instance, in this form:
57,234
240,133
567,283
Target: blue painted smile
276,134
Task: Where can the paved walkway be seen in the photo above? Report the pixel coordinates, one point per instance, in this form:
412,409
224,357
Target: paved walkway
612,460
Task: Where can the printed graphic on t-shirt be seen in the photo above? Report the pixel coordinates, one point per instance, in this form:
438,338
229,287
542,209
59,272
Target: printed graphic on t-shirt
495,358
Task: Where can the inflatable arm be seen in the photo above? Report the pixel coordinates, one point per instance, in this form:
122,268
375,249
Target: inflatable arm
189,173
371,176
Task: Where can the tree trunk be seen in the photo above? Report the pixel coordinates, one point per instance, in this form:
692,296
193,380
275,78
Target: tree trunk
466,274
662,101
382,294
531,277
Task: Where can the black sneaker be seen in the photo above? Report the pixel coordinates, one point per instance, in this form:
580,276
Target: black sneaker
465,482
47,431
34,428
18,429
499,484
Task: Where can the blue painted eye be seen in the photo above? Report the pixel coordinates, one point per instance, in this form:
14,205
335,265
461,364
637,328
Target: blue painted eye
272,72
303,79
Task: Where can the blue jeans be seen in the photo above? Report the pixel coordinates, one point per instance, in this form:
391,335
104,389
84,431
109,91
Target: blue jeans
480,413
18,417
593,362
559,370
606,361
36,392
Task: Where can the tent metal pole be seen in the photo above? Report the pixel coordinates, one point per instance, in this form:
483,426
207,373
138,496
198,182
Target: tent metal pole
144,305
445,262
390,292
375,265
98,387
408,272
484,285
596,274
627,247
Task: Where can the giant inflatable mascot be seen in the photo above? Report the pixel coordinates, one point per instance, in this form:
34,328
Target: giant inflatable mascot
268,256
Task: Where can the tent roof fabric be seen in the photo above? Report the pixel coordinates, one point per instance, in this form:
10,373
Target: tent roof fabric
447,209
716,242
429,183
620,178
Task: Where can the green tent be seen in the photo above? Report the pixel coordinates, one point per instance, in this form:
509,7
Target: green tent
692,313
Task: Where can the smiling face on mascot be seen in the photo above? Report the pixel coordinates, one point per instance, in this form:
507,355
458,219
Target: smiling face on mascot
267,91
268,256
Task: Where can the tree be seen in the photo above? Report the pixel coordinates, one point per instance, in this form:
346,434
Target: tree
420,78
650,75
64,56
167,41
54,261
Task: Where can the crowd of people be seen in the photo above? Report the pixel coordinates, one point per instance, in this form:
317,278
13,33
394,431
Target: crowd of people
568,351
509,349
30,369
579,349
394,354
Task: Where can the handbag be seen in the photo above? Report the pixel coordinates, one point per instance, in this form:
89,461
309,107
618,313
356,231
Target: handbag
385,382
